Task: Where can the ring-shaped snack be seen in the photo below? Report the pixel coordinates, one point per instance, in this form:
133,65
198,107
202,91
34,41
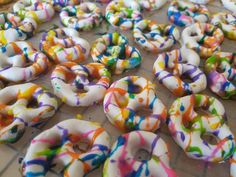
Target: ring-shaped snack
204,38
15,28
221,74
35,9
32,106
183,13
155,37
227,23
195,116
21,62
113,51
172,68
85,16
73,146
123,13
152,4
80,85
128,95
230,5
123,161
63,45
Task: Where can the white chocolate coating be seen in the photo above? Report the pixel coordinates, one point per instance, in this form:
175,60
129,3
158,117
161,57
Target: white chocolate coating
64,44
170,69
75,84
128,95
187,126
67,135
20,114
122,161
21,62
36,9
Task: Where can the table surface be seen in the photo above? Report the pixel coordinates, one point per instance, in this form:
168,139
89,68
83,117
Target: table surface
184,166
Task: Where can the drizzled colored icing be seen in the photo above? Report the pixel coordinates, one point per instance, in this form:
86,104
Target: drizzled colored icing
221,74
15,28
64,44
121,161
14,118
75,84
187,128
21,62
35,9
158,38
113,51
128,95
152,4
204,38
184,13
61,147
227,23
170,70
123,13
85,16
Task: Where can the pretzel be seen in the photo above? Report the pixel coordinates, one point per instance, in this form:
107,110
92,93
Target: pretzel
125,97
85,16
123,13
227,23
16,117
158,38
113,51
76,86
14,28
35,9
183,13
170,70
122,161
21,62
188,126
63,45
70,136
204,38
221,74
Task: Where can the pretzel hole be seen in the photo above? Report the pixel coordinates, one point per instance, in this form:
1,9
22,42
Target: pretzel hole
82,146
144,112
209,138
219,69
186,79
193,34
93,79
209,33
134,88
146,30
142,155
202,111
33,103
187,124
